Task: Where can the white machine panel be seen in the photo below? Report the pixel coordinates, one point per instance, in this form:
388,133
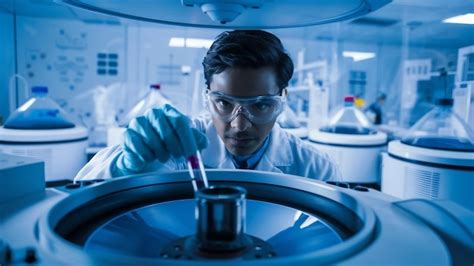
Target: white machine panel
19,177
407,180
357,164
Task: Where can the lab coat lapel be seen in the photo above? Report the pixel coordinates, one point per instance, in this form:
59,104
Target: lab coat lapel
215,155
278,155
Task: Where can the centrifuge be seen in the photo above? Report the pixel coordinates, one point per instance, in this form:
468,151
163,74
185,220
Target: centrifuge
353,143
434,160
153,219
41,129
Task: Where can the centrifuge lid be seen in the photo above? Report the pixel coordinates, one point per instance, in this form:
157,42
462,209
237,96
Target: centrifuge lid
42,135
413,153
352,140
261,14
348,119
441,129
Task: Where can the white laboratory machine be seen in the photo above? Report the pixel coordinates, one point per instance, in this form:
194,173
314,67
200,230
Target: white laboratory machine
352,142
434,160
40,129
150,220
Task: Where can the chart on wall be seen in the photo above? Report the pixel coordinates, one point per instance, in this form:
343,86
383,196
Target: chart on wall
71,58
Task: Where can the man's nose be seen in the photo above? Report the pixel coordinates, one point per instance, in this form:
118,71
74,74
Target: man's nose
241,122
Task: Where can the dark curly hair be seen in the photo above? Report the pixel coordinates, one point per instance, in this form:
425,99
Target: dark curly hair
248,49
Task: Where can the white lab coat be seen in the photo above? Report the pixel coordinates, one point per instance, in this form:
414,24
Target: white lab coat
285,154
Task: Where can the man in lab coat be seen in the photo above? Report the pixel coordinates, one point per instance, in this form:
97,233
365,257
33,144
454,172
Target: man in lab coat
246,73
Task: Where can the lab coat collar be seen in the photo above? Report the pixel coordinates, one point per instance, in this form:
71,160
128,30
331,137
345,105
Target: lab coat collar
214,156
277,155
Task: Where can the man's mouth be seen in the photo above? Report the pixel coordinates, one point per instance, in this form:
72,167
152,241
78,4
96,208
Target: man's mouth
240,140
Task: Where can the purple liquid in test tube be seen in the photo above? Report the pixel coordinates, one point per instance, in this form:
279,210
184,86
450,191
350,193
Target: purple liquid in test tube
196,171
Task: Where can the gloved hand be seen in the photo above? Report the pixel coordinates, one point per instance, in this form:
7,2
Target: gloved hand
159,134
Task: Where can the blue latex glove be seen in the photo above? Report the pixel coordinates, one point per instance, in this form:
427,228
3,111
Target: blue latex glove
159,134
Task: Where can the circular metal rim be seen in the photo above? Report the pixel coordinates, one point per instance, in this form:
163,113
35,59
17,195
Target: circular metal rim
455,158
27,136
362,9
237,194
378,138
53,244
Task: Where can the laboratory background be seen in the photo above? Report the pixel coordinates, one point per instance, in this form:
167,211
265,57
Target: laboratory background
384,88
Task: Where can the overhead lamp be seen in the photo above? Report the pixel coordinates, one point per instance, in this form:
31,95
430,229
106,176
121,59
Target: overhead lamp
224,11
461,19
185,69
198,43
176,42
190,42
358,56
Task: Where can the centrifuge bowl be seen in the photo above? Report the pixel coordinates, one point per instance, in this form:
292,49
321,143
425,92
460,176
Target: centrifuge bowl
129,220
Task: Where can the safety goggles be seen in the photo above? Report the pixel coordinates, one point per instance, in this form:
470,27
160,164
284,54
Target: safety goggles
259,109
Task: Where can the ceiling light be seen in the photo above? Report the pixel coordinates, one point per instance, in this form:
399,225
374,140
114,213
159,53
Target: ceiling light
176,42
185,69
198,43
358,56
461,19
190,42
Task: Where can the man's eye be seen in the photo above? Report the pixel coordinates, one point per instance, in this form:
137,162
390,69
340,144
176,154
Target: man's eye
262,106
223,103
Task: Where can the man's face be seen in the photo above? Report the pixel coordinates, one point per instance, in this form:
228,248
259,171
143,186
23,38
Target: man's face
241,136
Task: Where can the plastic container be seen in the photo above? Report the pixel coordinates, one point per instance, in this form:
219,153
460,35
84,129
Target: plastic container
441,129
39,112
349,120
154,98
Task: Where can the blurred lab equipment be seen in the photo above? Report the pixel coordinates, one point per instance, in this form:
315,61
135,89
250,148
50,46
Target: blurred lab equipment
415,99
152,99
318,105
308,94
288,121
39,112
105,113
41,129
465,67
359,102
98,109
353,143
434,160
463,94
374,111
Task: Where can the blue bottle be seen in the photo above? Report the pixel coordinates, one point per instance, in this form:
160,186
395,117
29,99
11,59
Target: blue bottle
39,112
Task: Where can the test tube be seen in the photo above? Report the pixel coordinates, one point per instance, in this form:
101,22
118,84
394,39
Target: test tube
196,171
